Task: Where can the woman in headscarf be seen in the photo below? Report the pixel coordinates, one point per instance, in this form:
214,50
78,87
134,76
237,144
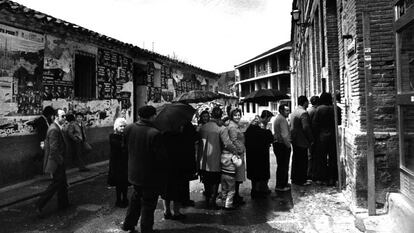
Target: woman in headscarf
118,163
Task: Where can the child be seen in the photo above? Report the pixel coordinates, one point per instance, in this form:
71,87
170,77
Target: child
229,162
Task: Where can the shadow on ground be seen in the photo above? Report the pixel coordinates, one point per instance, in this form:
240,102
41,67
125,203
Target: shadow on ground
257,211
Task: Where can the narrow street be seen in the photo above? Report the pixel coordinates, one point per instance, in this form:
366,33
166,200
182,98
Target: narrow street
303,209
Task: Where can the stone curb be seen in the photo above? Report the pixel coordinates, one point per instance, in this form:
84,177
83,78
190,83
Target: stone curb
71,181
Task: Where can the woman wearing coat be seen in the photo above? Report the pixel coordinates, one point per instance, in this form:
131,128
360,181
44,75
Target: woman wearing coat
118,163
237,138
258,140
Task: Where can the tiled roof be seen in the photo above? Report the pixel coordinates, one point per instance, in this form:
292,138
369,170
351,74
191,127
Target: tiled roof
43,18
267,52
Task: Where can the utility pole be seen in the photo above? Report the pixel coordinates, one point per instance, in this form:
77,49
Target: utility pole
368,112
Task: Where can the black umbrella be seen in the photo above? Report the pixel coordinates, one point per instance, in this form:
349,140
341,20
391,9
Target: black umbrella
171,117
264,95
196,96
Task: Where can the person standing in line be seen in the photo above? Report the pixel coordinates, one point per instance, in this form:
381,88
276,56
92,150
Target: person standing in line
237,138
212,139
118,163
54,163
311,111
302,139
180,147
146,170
203,119
281,148
258,140
326,168
190,137
77,136
229,163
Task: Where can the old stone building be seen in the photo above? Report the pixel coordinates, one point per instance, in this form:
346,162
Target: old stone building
47,61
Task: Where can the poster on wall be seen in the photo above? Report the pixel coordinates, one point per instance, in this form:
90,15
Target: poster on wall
21,56
113,71
55,86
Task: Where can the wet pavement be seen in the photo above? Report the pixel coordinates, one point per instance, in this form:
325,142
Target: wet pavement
303,209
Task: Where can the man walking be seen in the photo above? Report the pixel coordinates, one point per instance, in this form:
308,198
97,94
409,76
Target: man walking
302,139
55,152
146,170
281,148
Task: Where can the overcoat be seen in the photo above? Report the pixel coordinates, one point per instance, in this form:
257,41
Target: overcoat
258,141
55,149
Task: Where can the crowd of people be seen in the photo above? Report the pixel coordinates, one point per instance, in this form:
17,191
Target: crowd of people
219,150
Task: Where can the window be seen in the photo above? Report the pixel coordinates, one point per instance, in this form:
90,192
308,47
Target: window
406,48
85,76
408,137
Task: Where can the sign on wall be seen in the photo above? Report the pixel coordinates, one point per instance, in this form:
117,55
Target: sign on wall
113,71
21,56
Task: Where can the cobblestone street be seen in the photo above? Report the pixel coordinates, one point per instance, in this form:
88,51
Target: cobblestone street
303,209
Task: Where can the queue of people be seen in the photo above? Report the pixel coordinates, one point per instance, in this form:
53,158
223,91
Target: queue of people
218,151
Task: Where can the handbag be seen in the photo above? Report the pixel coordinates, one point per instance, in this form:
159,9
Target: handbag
87,148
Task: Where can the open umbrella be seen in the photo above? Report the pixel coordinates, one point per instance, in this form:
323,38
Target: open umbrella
196,96
263,95
171,117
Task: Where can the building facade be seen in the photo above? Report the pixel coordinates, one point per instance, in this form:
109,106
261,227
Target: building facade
269,70
349,47
47,61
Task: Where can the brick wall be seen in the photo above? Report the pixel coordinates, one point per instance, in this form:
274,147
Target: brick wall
347,55
384,91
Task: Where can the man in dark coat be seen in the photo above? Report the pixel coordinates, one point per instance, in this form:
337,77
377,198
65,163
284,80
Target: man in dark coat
325,162
302,139
55,153
311,111
146,170
77,138
41,124
257,143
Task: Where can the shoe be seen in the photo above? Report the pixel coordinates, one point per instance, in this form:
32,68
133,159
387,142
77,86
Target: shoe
188,203
307,183
229,208
118,203
284,189
130,230
125,203
64,206
178,216
167,215
84,169
238,200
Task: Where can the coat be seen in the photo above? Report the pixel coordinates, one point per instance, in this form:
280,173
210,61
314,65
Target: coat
55,149
147,158
118,161
237,138
258,142
213,140
300,128
76,133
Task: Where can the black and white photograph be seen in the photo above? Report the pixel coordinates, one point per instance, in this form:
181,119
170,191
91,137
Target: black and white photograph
206,116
